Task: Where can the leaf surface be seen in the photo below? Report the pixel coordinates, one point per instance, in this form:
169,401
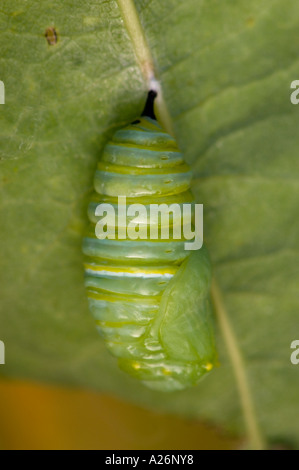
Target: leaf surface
225,70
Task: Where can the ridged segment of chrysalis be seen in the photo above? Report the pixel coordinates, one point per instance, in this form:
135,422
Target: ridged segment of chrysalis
149,297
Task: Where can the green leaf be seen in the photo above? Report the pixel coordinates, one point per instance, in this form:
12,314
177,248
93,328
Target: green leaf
225,69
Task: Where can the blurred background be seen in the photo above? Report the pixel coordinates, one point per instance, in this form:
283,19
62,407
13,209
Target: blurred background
38,417
71,78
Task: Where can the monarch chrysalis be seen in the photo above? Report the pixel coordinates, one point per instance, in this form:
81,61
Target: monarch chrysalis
149,297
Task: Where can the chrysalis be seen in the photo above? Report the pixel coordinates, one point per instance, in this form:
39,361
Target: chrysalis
149,296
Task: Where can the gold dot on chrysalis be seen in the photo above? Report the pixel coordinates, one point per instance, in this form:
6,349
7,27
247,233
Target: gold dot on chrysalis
136,365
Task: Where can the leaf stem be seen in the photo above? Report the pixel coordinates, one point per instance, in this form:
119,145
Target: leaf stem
146,63
134,28
253,431
145,59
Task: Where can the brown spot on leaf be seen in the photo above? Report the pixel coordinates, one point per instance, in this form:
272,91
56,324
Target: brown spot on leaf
51,36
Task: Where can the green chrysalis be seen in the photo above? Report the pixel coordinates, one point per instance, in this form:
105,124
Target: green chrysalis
149,297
